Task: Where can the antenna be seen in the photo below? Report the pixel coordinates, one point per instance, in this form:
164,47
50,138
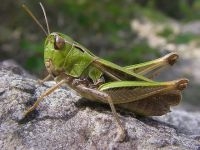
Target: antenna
34,18
45,16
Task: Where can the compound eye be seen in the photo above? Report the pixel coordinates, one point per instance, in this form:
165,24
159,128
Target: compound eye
59,43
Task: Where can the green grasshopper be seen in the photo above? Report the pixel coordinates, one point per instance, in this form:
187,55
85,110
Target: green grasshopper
96,79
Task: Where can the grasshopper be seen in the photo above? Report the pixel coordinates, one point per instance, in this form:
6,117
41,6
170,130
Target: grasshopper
96,79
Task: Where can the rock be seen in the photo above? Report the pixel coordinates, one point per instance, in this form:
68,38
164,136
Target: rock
64,121
13,66
191,27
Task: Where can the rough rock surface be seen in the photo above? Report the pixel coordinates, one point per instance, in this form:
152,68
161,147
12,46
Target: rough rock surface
64,121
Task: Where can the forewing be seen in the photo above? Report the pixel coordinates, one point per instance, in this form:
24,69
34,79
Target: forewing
117,73
130,91
156,105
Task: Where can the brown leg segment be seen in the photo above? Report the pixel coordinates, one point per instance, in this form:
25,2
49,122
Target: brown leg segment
93,94
46,93
45,79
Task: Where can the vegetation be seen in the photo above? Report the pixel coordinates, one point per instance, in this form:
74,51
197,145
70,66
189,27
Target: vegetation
103,27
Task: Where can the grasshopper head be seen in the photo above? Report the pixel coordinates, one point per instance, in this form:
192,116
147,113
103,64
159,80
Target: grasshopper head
56,51
56,48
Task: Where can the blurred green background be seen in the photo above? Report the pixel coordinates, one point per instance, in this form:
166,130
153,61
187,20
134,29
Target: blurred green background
103,26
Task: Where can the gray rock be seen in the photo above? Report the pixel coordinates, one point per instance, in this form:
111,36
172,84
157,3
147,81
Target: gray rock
13,66
64,121
191,27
